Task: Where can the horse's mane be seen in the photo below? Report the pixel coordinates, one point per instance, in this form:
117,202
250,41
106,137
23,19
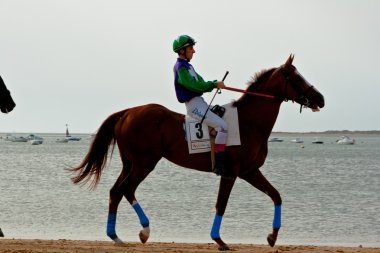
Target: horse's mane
253,84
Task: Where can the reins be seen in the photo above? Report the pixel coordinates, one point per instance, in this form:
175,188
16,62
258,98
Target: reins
218,91
287,77
249,92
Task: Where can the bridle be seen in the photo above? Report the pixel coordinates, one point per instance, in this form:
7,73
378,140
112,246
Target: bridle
296,83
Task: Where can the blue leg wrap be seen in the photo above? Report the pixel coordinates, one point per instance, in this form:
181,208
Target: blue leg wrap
144,221
277,217
111,224
216,227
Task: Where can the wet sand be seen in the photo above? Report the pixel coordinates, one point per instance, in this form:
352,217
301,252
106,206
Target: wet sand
72,246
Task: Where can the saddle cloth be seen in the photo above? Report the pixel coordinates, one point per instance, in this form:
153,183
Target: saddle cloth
198,138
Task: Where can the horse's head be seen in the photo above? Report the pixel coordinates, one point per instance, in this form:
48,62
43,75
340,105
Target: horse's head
297,88
283,83
6,102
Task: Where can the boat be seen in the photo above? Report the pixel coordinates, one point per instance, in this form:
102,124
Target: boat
36,141
72,138
345,140
19,139
62,140
69,137
34,137
317,141
297,140
9,137
275,139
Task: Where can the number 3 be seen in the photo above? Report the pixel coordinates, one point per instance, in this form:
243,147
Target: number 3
199,134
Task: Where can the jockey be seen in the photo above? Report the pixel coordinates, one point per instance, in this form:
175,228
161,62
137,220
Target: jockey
189,87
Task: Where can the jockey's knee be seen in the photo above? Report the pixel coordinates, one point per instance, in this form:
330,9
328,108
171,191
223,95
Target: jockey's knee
222,128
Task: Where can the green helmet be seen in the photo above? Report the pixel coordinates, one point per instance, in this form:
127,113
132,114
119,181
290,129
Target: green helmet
182,42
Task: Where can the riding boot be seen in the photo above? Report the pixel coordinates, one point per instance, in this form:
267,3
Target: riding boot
220,166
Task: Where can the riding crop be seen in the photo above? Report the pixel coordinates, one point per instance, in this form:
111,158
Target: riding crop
217,91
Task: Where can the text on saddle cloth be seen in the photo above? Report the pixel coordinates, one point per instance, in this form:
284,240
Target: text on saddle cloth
198,137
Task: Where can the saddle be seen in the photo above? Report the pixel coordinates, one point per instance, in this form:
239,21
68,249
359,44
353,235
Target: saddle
198,137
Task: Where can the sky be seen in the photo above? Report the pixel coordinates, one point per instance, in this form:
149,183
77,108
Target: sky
77,61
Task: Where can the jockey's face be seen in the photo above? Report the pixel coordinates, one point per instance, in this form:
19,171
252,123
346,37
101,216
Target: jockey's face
189,51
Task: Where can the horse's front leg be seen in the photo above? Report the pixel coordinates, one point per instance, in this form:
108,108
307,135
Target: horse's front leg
257,179
225,188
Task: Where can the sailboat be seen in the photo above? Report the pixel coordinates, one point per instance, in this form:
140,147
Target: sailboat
69,137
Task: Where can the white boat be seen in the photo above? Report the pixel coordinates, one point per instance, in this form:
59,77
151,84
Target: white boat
72,138
62,140
297,140
275,139
19,139
9,137
34,137
317,141
345,140
69,137
36,141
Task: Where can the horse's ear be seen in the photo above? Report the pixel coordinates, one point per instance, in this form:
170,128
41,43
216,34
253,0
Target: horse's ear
290,60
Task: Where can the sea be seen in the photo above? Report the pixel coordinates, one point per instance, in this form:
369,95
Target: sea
330,193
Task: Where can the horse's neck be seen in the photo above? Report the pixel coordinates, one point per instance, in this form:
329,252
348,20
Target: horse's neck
260,115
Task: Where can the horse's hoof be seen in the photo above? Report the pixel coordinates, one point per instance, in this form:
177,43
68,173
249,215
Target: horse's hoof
119,243
143,237
224,247
144,234
271,240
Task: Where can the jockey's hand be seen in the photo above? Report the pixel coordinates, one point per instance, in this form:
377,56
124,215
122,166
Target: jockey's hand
220,85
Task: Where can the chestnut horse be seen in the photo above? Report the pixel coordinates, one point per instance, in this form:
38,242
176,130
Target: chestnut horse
145,134
6,102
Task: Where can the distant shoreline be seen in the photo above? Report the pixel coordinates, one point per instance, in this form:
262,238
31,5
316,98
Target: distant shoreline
343,132
332,133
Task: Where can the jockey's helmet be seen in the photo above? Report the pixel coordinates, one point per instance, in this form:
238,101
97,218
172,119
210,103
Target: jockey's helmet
182,42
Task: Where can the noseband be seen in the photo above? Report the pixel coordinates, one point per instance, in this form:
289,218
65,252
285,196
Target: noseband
304,101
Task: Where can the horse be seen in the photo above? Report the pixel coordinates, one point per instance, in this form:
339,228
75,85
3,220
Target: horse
147,133
6,102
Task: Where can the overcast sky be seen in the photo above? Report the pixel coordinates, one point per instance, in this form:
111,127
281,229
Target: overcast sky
76,62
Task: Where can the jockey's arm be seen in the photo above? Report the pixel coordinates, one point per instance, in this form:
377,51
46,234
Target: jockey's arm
188,81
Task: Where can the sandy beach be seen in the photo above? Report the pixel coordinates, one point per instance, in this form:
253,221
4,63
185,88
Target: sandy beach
72,246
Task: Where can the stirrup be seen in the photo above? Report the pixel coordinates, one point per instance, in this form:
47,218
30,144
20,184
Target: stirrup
216,171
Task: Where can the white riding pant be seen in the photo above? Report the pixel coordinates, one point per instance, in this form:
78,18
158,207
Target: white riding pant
196,108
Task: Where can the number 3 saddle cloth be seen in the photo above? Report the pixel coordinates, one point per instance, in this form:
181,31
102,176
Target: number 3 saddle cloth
198,137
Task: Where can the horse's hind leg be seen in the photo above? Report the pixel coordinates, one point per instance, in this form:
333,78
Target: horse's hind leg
116,194
257,179
126,184
138,173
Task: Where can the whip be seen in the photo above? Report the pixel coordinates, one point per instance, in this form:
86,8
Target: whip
217,91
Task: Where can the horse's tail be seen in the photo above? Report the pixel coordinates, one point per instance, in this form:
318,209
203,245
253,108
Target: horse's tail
96,158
